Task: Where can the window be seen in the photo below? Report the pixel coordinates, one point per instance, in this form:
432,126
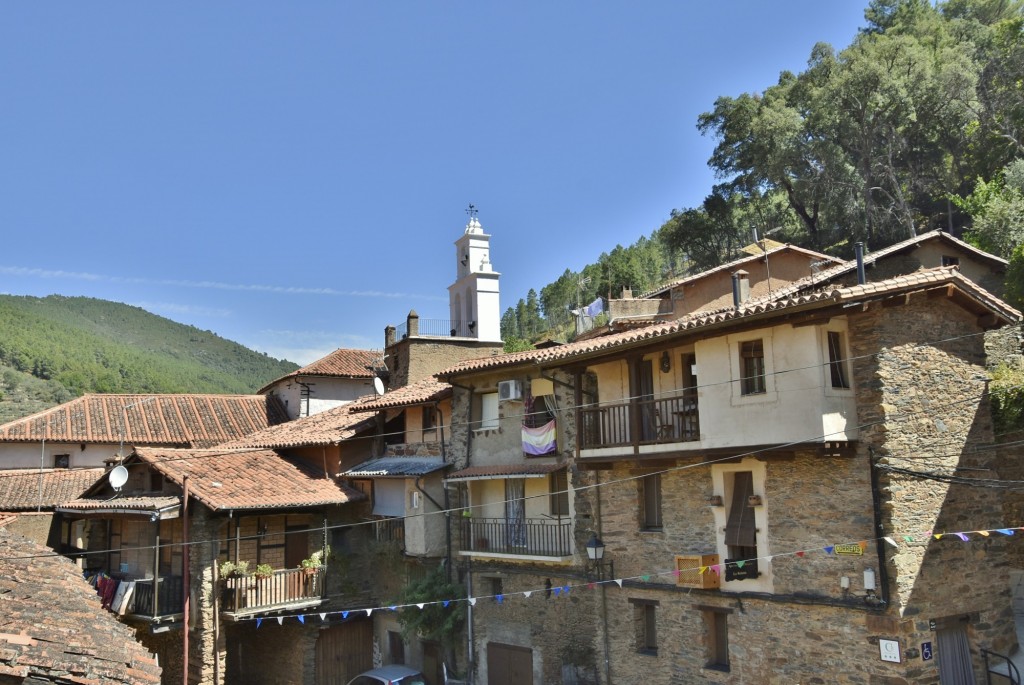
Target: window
752,367
837,360
740,528
429,421
949,260
559,488
650,498
61,461
497,587
645,622
488,410
716,636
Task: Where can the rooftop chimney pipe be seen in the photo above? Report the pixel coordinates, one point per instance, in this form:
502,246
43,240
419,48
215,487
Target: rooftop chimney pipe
859,250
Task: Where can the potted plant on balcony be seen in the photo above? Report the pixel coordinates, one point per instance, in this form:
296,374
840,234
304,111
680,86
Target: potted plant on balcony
314,562
263,571
234,569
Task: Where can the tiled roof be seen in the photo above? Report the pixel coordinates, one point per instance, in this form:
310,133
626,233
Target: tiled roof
182,420
52,627
251,479
421,392
395,466
753,310
341,363
329,427
820,279
27,489
503,470
730,266
123,503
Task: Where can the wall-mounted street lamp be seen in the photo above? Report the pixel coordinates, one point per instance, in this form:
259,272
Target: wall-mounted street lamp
595,556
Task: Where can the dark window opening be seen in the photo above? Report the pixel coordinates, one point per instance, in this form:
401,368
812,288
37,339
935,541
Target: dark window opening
752,376
837,360
559,489
62,461
650,498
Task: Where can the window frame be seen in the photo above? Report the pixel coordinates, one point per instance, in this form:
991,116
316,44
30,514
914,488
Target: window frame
716,635
558,493
645,625
651,514
736,366
489,403
838,364
62,461
753,376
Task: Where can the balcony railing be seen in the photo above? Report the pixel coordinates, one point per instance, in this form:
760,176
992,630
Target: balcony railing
438,328
641,422
527,537
389,529
286,588
168,600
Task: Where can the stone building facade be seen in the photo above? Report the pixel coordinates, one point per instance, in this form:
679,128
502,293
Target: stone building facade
861,563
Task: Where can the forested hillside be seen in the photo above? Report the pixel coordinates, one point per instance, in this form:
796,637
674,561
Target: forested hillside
55,348
917,124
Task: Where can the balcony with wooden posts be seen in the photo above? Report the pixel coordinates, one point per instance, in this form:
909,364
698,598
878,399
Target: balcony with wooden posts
539,539
639,422
283,590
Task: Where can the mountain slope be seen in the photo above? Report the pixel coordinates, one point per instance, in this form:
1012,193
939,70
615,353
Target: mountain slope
54,348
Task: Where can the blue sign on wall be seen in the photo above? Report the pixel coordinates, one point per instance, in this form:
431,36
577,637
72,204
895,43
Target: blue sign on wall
926,651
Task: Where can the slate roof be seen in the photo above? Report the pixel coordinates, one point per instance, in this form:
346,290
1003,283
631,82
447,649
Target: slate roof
505,470
27,489
735,264
342,363
421,392
186,420
754,310
395,466
52,627
248,479
330,427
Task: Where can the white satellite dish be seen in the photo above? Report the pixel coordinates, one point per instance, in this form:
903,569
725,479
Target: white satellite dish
118,477
378,385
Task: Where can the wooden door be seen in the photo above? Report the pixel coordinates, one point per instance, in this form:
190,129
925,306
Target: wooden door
509,665
343,652
296,546
433,660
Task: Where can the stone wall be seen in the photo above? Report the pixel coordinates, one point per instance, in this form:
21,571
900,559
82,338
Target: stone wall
413,359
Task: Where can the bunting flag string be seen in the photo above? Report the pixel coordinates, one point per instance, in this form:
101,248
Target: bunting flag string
563,590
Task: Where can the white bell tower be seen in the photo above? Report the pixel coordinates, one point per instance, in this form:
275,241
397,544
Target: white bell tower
473,301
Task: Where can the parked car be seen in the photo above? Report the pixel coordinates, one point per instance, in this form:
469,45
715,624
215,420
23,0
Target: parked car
389,675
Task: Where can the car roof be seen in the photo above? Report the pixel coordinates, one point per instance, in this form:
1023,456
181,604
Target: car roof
391,672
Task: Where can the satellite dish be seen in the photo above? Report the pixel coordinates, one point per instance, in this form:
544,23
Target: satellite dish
118,477
378,386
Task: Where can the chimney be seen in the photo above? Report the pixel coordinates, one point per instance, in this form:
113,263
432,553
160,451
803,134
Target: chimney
740,288
627,293
412,324
859,250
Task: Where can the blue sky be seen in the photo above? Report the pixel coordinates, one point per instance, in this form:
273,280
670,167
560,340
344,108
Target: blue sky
292,176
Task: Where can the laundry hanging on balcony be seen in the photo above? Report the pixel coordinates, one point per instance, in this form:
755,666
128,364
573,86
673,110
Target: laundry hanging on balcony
540,440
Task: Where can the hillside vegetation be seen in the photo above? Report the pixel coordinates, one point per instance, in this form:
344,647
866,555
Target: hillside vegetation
918,124
55,348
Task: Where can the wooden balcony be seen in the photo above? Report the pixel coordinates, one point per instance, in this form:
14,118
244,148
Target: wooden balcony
286,589
641,422
166,604
524,538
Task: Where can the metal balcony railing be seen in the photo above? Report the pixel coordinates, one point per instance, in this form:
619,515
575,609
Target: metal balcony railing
286,588
437,328
526,537
641,422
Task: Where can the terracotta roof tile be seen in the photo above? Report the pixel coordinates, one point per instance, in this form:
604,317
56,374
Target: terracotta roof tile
27,489
249,479
421,392
123,502
52,627
329,427
185,420
733,265
500,470
341,363
926,278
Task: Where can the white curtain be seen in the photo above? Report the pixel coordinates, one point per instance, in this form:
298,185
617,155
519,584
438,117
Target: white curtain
954,653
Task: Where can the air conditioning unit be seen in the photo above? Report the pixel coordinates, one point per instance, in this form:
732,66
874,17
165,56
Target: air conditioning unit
688,573
509,390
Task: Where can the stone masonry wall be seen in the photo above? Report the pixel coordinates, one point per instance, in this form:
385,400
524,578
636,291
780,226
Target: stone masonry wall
922,408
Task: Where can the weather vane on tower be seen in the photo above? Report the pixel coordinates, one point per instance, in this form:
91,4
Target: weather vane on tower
472,211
